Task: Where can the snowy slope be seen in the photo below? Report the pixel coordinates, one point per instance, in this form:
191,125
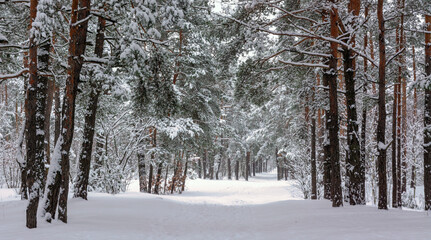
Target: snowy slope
260,209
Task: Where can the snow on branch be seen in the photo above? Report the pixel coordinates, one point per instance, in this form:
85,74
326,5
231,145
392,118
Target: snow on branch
96,60
304,64
82,20
13,75
291,14
12,46
395,56
181,126
307,34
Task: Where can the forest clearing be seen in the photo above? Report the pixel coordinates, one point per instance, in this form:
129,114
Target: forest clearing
260,208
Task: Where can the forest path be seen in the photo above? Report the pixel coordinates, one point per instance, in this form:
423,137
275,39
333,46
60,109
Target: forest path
262,208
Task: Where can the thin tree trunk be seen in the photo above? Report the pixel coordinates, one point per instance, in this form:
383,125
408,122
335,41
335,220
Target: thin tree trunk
313,159
237,170
415,113
200,168
229,169
150,178
394,148
142,172
153,134
402,69
211,167
158,178
247,165
205,164
381,123
427,118
166,178
326,149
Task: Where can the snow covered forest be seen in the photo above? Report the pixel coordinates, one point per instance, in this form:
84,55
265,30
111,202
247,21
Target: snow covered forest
212,105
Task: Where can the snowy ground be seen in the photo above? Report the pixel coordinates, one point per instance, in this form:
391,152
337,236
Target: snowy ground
259,209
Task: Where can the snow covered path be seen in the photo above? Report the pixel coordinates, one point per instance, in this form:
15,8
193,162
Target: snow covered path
260,209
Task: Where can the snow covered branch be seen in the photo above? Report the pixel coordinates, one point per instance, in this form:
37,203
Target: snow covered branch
303,64
13,75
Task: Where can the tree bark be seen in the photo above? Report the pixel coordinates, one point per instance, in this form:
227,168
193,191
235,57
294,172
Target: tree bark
90,122
415,113
427,118
336,191
229,169
247,166
355,169
158,178
237,170
35,109
326,149
77,45
200,168
403,87
313,159
142,172
381,123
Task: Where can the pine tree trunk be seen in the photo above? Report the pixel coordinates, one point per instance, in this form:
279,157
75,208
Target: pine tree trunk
355,170
427,118
142,172
394,148
247,166
77,45
158,178
336,191
313,159
35,109
381,123
150,178
229,169
237,170
326,150
200,168
153,141
90,122
415,113
211,168
205,164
